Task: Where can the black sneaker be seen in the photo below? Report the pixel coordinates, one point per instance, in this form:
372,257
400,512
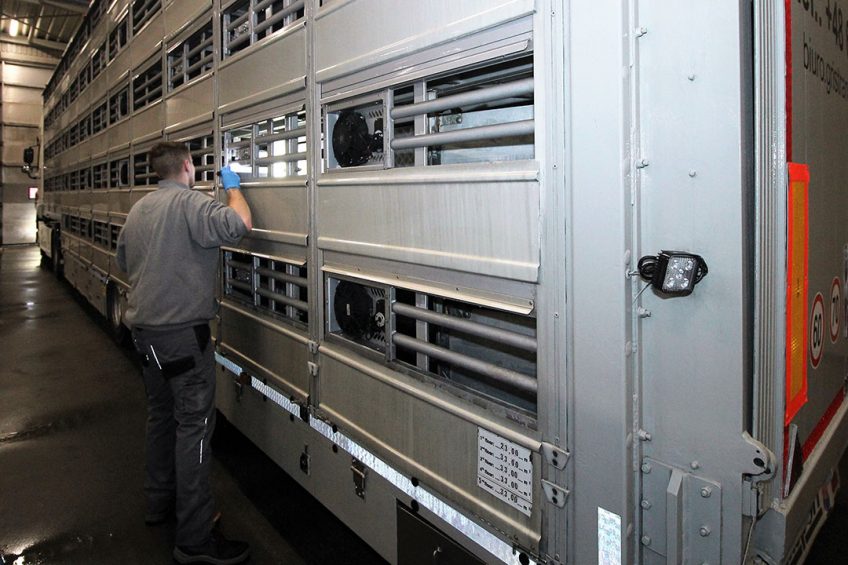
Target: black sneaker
218,551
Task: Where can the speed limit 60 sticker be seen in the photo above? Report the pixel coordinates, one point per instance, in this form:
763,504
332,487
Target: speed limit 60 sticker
817,330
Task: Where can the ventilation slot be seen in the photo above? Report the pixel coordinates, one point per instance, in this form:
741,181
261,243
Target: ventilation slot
147,85
190,59
142,12
246,22
271,148
480,349
203,156
272,286
143,174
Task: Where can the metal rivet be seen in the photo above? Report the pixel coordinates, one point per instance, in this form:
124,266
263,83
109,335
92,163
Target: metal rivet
695,465
644,436
646,540
646,504
693,173
691,76
706,492
704,531
646,468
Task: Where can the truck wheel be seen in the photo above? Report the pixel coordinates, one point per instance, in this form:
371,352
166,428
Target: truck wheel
115,312
56,256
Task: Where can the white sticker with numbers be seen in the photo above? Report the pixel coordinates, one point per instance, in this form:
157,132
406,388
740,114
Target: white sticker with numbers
505,470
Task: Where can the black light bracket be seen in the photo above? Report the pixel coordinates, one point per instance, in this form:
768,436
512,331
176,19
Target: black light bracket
673,273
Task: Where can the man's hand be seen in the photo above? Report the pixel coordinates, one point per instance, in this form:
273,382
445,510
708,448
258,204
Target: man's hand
229,179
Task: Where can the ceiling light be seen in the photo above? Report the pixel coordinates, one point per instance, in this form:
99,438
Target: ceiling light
14,26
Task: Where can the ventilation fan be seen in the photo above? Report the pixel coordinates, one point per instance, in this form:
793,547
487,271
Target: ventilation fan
360,312
353,145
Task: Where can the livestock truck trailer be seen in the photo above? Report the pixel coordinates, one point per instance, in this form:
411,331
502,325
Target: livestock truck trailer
467,318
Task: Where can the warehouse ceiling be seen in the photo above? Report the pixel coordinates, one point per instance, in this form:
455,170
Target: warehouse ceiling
47,25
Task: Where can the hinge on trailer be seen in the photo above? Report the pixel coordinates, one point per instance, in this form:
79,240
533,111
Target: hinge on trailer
313,347
556,456
360,473
313,368
555,493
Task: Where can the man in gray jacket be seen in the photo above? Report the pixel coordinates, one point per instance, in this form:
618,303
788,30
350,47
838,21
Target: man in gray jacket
169,247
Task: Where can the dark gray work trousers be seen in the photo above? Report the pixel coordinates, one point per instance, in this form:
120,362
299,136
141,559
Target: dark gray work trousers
179,377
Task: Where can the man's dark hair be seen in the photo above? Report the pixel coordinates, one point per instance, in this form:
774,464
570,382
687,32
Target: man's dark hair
167,158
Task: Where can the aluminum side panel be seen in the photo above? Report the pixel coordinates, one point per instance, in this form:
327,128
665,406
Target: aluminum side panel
357,34
279,213
191,104
147,123
419,438
488,228
274,68
259,345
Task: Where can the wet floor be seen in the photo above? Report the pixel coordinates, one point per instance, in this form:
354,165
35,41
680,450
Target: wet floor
72,414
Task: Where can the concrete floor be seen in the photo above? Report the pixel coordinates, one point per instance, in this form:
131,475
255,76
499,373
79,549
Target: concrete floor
72,415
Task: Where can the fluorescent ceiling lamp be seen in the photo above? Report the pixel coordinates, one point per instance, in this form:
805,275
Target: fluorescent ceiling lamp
14,27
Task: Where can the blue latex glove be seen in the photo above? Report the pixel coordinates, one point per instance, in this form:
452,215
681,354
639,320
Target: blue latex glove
229,179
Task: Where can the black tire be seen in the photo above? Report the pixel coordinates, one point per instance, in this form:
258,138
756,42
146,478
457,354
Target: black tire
58,264
115,314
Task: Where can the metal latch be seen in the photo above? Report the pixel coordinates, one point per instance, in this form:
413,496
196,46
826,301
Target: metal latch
242,380
555,456
554,493
360,472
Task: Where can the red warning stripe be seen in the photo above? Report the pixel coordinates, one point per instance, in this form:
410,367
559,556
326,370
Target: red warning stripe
818,431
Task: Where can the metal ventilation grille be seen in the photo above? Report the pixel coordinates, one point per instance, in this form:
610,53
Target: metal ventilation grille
147,85
84,127
472,116
270,285
100,175
477,350
119,173
119,105
114,232
100,234
143,174
100,117
117,38
142,12
271,148
98,61
203,156
79,179
190,59
246,22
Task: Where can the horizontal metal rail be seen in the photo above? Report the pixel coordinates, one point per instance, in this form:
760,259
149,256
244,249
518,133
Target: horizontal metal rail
282,277
511,129
499,335
488,94
240,144
205,44
241,286
278,17
294,303
206,60
288,158
513,379
239,264
280,136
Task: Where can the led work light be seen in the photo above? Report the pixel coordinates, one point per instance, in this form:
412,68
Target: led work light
674,273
